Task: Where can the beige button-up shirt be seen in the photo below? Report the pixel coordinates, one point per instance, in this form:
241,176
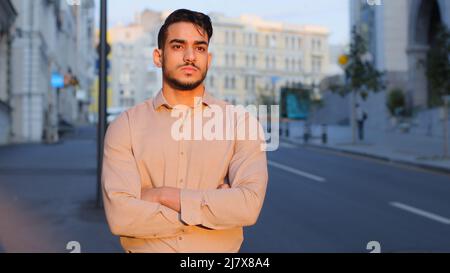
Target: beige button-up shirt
140,151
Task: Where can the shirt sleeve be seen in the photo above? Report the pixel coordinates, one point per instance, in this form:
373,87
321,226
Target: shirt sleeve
241,204
126,213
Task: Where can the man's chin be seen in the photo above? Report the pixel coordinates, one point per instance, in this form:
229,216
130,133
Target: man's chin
185,85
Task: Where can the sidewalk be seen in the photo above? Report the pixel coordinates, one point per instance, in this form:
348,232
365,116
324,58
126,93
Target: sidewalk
419,151
48,197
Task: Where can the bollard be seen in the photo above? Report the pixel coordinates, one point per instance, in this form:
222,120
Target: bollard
324,134
306,133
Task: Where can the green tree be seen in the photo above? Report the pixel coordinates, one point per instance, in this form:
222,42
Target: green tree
361,76
438,67
396,102
438,75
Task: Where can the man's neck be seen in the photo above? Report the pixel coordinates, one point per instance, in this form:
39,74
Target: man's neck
184,97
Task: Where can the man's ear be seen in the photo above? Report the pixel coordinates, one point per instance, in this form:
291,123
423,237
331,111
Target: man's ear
157,57
210,56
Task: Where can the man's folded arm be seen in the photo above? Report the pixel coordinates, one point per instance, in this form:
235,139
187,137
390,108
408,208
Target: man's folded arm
235,207
126,213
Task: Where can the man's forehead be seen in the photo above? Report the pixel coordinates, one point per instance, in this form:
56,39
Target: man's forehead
186,31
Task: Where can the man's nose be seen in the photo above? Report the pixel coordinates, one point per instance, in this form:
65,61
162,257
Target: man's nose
189,55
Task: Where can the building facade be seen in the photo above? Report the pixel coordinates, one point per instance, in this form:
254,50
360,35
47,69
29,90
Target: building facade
399,34
250,57
49,37
134,77
8,15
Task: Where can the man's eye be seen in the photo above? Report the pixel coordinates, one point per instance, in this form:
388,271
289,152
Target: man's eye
177,46
201,49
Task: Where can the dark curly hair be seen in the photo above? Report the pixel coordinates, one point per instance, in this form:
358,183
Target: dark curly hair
184,15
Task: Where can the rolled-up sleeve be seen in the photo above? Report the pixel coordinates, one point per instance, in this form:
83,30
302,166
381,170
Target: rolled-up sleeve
241,204
126,213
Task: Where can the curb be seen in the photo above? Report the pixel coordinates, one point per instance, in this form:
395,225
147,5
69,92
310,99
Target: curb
371,155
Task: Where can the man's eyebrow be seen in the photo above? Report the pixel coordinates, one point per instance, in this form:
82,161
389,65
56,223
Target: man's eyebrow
200,43
181,41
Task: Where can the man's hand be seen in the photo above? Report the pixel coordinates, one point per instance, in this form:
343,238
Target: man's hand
151,194
223,186
168,196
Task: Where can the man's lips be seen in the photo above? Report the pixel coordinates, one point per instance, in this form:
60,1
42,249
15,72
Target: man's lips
188,68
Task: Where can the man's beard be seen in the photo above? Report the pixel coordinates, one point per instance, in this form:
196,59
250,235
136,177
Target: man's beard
178,85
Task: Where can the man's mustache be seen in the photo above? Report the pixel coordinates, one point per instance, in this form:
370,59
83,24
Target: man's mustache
189,65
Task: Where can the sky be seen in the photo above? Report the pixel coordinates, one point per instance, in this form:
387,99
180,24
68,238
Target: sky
332,14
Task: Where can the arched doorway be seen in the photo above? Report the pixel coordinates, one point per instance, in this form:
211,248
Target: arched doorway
424,19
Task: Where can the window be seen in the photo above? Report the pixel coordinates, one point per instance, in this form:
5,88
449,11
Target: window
316,65
271,41
227,60
227,84
227,37
254,61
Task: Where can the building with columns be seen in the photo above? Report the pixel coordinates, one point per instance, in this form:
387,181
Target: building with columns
399,34
48,37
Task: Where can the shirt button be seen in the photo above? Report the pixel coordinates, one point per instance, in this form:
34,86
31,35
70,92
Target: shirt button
182,153
180,238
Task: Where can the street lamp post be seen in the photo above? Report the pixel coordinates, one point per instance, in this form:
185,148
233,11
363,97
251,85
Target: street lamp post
101,129
343,62
445,125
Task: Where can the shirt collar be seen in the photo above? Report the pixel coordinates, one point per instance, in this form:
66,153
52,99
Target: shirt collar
160,100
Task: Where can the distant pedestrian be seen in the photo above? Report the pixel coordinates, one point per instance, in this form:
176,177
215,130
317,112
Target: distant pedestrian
361,117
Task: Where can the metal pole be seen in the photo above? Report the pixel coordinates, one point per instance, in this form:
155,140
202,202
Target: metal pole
353,123
101,99
445,127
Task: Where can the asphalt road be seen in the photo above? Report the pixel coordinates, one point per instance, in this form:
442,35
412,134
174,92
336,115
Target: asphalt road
323,201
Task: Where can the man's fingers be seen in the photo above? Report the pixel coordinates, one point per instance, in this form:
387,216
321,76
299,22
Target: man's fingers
223,186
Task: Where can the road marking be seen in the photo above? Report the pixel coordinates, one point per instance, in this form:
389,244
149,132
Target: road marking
295,171
375,160
420,212
287,145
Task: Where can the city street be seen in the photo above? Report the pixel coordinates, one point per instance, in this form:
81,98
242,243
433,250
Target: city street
322,201
317,201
